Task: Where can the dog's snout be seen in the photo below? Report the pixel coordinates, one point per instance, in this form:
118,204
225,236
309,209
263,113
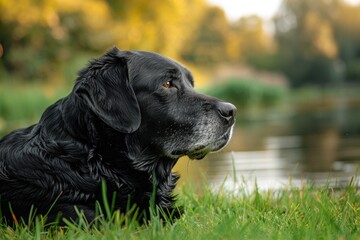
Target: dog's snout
227,111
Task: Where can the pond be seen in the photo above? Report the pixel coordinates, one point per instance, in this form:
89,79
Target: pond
317,143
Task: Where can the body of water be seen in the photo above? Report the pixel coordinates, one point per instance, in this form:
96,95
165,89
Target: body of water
317,143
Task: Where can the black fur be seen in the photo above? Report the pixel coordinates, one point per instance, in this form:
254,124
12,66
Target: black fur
119,125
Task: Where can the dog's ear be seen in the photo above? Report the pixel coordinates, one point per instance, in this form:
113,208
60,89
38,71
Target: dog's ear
105,87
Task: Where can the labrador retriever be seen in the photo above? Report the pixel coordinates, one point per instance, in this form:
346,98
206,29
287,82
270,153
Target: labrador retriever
129,118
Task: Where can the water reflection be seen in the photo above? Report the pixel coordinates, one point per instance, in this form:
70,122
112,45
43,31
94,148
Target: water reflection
312,145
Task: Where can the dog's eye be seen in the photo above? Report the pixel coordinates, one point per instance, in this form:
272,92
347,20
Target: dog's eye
168,84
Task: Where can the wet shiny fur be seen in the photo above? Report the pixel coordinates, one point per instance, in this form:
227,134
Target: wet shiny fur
129,117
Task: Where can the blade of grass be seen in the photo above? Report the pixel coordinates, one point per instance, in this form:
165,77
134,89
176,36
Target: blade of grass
105,200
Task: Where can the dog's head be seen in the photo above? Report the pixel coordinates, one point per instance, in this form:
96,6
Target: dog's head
152,98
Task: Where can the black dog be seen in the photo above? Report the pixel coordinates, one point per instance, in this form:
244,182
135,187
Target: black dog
129,118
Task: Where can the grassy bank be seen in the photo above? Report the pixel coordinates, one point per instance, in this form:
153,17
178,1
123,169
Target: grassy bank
304,213
22,105
26,102
247,93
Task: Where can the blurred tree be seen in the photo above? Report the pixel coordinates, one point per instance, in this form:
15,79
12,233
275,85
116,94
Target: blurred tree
318,41
160,25
347,34
208,44
256,47
51,39
252,37
305,35
38,39
52,36
218,40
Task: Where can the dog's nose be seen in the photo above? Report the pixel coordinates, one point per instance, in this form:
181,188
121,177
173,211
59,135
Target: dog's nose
227,111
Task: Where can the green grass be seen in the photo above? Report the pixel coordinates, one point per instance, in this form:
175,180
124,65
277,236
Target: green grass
22,105
25,102
293,213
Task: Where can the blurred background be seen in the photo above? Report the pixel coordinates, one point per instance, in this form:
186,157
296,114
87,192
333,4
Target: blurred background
292,68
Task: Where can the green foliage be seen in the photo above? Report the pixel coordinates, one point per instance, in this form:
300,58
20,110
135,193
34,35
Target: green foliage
318,42
39,40
208,44
289,213
353,70
71,67
248,93
266,61
217,40
24,103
